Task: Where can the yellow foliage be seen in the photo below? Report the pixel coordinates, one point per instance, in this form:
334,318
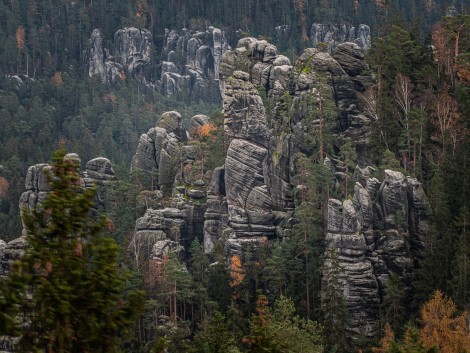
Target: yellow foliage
442,328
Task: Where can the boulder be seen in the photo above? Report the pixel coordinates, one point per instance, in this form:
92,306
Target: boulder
351,58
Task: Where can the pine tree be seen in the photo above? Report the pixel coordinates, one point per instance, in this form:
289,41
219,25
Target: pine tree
394,307
333,306
68,286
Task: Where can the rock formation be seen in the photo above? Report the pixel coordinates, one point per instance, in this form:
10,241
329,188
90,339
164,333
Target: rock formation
98,171
190,62
332,35
375,235
129,57
259,169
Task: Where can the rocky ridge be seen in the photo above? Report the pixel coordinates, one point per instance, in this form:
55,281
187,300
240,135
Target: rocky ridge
189,63
97,171
272,109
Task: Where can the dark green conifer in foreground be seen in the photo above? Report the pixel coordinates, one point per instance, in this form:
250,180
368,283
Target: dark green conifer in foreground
67,289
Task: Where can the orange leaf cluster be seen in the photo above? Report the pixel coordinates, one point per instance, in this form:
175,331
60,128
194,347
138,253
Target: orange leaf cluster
57,79
141,9
442,328
237,274
206,131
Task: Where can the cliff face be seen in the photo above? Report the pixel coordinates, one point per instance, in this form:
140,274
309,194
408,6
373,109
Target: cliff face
188,64
274,111
376,234
259,169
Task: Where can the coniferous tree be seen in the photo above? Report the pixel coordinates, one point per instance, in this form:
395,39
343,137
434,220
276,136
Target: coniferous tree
67,288
333,306
394,308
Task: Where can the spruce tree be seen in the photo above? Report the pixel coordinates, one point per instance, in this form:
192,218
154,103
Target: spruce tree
333,304
68,287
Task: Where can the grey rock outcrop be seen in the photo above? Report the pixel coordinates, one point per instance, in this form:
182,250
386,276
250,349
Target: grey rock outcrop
159,149
157,233
190,62
9,253
375,235
130,55
98,171
259,168
332,35
216,217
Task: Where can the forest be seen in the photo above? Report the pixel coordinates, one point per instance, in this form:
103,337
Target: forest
284,296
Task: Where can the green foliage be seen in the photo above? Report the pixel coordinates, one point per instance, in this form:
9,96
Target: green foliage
412,343
397,58
278,330
68,286
394,304
333,306
215,336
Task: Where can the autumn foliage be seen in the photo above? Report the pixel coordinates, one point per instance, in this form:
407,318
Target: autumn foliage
443,330
206,131
237,274
20,38
442,327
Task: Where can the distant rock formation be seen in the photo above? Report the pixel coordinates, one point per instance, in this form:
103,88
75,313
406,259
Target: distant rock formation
129,57
97,172
190,62
333,35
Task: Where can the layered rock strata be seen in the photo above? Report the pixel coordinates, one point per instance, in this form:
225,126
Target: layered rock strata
376,234
190,62
272,108
333,35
